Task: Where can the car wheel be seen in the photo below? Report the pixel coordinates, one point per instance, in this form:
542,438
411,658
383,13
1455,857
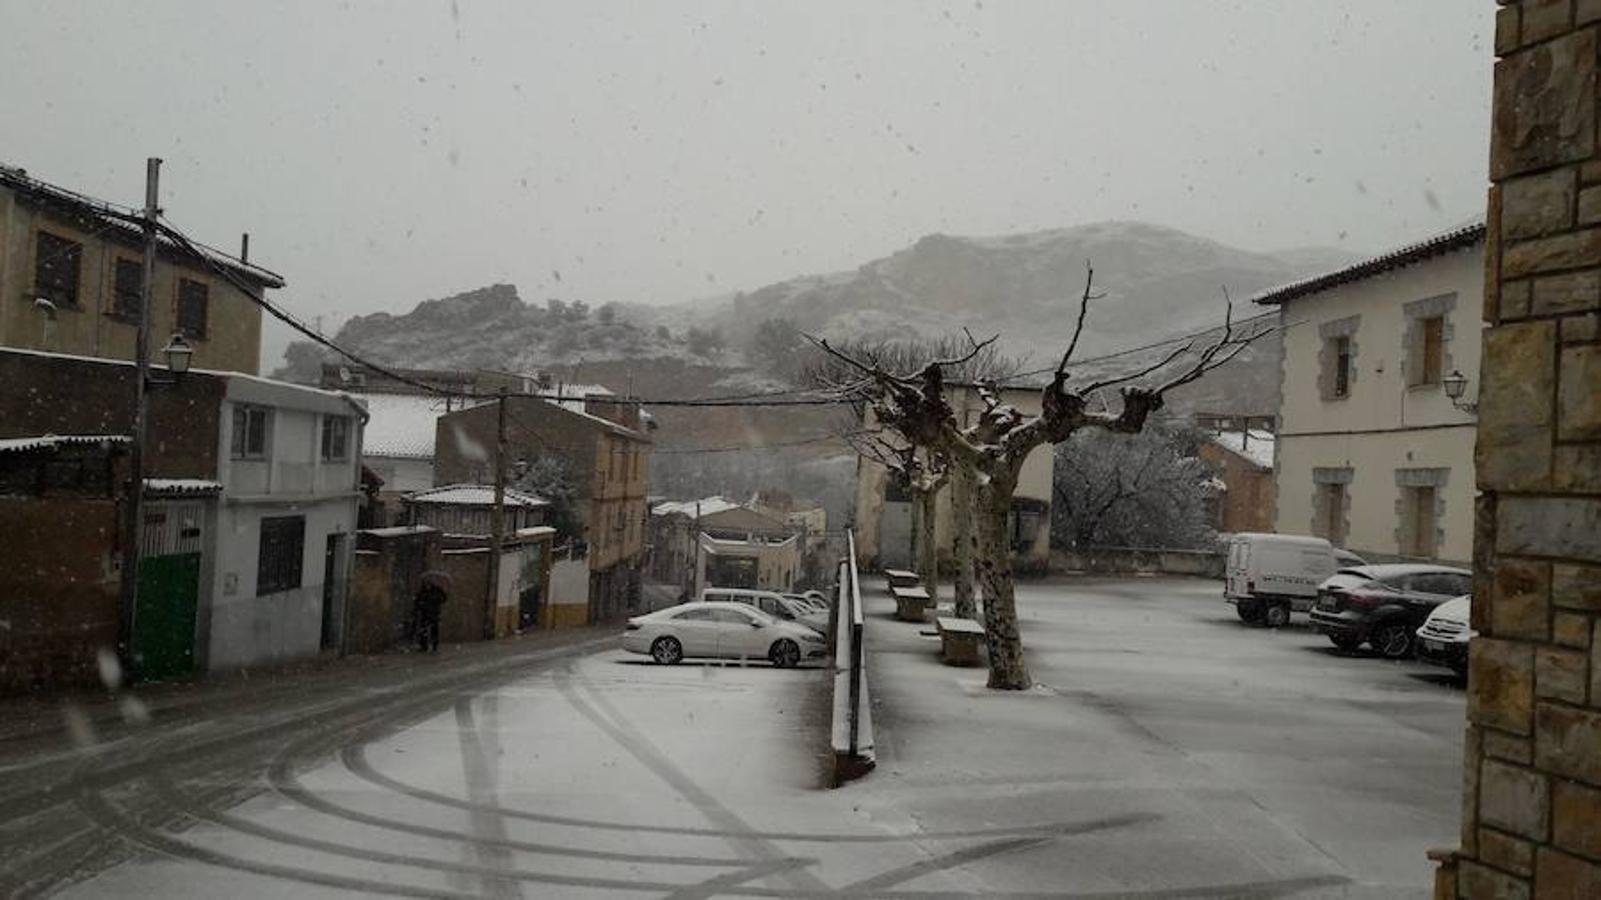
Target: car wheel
1393,640
1277,615
1345,642
1250,611
785,654
667,651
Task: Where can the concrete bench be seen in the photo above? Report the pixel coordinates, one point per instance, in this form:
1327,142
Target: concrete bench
959,640
911,603
900,578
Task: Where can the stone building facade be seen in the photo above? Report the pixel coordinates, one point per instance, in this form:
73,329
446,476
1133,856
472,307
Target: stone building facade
1532,788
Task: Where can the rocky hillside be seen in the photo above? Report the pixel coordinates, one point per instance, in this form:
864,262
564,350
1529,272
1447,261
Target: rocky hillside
1157,282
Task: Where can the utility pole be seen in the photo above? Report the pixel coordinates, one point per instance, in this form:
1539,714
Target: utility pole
497,517
134,522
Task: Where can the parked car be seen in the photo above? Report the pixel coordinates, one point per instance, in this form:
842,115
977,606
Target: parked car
1384,605
1443,639
720,630
1268,576
774,604
812,599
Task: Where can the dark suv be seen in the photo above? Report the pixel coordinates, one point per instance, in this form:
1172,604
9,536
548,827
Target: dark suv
1383,605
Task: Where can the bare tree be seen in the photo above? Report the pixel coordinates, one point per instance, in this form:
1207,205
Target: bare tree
994,448
962,361
925,472
1140,490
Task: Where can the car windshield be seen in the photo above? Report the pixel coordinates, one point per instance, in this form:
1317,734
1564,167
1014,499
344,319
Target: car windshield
408,408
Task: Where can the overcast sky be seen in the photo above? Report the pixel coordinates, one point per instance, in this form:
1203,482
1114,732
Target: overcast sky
382,154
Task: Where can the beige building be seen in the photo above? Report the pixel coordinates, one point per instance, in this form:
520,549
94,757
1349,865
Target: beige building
70,277
715,542
883,503
605,447
1372,453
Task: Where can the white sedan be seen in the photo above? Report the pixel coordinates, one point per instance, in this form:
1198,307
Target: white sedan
721,630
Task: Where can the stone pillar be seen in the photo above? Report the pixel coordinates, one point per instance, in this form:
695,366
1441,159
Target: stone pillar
1532,780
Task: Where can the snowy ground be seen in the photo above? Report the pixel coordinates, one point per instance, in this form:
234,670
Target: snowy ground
1169,752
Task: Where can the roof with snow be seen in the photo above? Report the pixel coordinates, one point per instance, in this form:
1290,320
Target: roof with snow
475,495
182,487
1254,445
53,441
402,425
703,507
1459,238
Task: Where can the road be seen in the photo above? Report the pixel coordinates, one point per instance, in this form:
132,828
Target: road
1168,750
1256,762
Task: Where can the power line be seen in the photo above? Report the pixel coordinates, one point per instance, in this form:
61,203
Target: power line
748,447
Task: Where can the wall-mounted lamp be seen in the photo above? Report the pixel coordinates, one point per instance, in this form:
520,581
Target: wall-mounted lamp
1456,384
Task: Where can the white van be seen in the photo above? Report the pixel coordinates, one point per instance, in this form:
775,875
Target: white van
1269,575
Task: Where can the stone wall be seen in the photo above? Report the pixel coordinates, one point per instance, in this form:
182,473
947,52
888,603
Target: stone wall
1532,788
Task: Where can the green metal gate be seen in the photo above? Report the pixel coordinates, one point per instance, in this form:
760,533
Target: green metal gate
162,642
164,621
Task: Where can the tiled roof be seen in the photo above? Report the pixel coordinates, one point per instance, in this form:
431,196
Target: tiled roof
474,495
182,486
402,425
51,441
1459,238
707,506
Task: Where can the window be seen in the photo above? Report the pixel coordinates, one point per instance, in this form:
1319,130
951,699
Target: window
194,300
694,615
729,617
250,432
1331,509
282,553
1342,367
55,268
1420,531
1432,350
335,438
127,288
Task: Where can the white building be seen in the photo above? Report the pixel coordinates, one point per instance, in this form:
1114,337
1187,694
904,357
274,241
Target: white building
251,488
289,466
1372,453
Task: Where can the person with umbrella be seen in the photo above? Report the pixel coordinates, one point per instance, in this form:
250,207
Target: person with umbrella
431,597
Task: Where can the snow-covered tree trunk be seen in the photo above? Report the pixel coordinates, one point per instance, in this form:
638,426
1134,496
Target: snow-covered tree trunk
1001,636
963,540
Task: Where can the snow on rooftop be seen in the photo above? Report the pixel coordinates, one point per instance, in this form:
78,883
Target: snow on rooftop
707,506
50,441
474,495
182,486
1255,445
403,424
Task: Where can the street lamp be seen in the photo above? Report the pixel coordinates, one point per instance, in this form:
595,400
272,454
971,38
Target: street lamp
178,353
1456,384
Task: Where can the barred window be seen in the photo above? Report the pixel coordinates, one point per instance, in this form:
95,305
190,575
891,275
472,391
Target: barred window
281,556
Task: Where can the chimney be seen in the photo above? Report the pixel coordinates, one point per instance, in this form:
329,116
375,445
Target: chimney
244,247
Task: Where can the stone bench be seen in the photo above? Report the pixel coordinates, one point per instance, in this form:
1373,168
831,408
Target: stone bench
959,640
911,603
901,578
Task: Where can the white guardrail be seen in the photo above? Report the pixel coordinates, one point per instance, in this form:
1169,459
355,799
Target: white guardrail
852,731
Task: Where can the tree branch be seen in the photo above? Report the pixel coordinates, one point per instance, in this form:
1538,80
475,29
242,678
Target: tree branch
1083,310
